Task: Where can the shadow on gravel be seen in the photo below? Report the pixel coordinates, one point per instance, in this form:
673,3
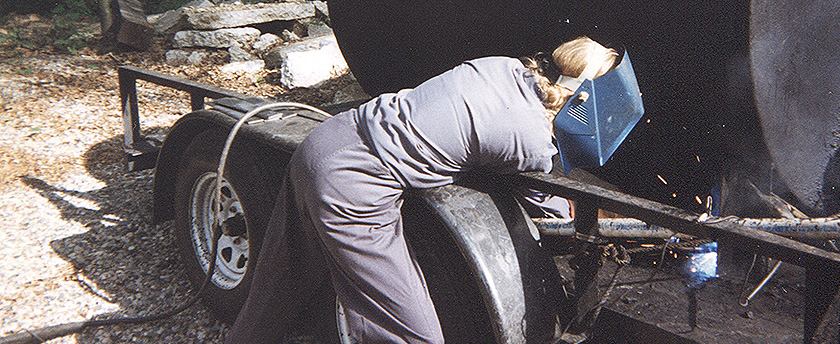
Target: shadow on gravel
123,257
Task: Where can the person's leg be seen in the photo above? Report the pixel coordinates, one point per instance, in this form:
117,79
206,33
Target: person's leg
380,284
353,202
289,274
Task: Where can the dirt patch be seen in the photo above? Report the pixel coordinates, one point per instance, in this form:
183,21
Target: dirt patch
14,164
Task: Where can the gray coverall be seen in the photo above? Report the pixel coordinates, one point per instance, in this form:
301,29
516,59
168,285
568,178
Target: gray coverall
348,176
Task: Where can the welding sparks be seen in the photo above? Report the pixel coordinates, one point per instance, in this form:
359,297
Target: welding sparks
697,198
662,179
698,158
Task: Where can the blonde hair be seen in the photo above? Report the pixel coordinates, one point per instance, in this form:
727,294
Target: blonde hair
571,58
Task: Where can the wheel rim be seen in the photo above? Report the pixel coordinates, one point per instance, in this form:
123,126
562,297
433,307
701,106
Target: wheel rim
233,249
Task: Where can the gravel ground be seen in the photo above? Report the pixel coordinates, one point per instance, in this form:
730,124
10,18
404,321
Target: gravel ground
77,239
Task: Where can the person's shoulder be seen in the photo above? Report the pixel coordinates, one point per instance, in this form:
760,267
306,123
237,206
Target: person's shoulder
496,66
496,60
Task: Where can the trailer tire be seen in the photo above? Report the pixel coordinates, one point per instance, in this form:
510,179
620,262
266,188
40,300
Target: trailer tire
248,197
452,283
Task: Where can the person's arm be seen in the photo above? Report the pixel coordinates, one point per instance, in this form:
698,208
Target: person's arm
548,205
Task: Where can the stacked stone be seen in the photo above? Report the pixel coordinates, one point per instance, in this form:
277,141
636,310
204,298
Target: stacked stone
306,56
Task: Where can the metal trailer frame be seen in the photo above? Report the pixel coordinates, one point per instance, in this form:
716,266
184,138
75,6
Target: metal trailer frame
140,151
458,207
822,267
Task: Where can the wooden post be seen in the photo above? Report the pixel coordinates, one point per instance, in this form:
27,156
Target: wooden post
124,21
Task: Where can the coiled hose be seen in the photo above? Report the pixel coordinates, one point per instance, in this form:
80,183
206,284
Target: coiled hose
44,334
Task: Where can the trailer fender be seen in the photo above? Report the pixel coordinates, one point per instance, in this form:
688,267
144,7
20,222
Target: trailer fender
480,236
516,280
176,141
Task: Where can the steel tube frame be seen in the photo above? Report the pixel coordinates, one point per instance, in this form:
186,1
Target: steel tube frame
140,152
809,229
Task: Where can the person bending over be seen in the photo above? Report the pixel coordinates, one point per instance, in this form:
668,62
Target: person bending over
346,181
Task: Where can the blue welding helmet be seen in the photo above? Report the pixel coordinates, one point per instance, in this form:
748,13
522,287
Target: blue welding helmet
588,130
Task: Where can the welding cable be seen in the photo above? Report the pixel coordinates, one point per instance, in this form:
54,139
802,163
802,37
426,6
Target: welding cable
653,273
614,253
618,255
238,125
596,311
593,313
41,335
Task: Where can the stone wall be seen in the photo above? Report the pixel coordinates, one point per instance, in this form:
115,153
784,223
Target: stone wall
293,37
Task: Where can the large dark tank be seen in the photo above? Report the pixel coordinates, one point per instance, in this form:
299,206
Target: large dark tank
693,63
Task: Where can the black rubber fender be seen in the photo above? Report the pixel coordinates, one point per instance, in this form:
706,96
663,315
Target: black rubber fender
277,140
514,278
484,239
170,155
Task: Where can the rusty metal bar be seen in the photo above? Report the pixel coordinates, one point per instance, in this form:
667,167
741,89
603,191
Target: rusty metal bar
586,263
128,98
140,152
614,327
822,267
810,229
682,221
181,84
196,101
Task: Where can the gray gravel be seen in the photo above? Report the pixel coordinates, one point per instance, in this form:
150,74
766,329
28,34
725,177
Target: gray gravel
77,240
88,249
